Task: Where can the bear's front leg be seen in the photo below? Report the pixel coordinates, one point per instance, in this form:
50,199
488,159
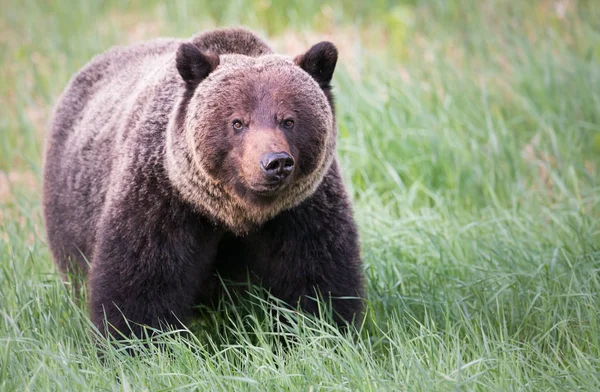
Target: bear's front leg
312,251
148,266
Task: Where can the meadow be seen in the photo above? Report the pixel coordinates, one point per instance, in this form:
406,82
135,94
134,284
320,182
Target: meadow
469,138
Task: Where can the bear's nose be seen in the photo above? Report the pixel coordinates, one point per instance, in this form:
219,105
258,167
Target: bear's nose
277,165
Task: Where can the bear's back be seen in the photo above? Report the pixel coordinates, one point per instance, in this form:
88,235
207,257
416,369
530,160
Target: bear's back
83,141
232,41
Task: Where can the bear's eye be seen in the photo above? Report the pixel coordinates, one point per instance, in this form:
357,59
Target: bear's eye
237,125
288,124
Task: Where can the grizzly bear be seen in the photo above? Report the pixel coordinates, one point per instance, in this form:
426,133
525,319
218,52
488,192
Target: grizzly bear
172,163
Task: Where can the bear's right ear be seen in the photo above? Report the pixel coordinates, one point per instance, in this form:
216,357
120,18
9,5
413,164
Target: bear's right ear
193,64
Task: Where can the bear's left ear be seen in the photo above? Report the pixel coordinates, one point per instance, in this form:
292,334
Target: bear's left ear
319,62
193,64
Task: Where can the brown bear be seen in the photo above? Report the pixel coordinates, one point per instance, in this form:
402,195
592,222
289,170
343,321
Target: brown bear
172,162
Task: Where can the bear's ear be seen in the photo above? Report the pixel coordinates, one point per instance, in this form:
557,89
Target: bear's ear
193,64
319,62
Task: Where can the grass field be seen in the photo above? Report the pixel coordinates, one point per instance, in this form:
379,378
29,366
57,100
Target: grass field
470,143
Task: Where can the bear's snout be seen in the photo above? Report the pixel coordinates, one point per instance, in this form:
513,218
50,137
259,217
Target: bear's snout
276,166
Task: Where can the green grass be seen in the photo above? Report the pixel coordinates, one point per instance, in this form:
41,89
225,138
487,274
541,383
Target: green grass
470,143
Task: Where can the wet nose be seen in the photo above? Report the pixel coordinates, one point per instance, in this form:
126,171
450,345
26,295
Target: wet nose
277,165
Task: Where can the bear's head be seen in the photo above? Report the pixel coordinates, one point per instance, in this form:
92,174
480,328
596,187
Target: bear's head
252,136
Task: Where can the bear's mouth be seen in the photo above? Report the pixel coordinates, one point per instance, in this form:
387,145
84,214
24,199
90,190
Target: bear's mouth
268,189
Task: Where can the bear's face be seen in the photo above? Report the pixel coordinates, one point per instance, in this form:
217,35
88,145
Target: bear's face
260,133
259,127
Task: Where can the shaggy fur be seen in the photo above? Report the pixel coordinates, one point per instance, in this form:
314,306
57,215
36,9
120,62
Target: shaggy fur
146,179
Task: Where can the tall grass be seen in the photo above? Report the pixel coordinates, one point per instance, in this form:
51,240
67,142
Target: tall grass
470,143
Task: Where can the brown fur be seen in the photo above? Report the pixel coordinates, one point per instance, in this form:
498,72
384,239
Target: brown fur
145,177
